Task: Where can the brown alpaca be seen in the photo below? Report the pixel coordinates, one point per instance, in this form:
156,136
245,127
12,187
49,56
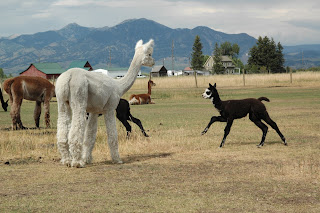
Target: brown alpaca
33,89
142,98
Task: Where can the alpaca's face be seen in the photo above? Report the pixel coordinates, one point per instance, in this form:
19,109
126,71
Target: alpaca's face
5,105
209,92
148,60
148,51
152,83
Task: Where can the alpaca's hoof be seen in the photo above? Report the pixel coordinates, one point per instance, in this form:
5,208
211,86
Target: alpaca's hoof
118,162
87,160
284,141
77,164
66,162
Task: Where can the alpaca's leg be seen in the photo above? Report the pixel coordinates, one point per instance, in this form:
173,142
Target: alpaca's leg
212,120
125,123
275,127
63,127
37,113
89,137
46,106
76,134
15,114
138,122
226,131
261,125
112,136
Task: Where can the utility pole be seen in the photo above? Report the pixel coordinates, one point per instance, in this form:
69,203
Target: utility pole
172,56
302,59
109,48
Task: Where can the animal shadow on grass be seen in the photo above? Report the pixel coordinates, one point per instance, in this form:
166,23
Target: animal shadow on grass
134,158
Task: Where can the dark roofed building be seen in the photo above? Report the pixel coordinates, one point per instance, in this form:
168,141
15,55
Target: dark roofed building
44,70
81,64
159,71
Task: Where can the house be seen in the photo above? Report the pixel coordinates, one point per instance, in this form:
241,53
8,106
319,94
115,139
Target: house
226,62
190,71
44,70
81,64
159,71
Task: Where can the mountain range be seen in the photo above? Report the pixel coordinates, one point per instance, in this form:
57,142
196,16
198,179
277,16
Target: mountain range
114,46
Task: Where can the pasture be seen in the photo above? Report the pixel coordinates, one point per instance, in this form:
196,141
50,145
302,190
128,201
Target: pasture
176,169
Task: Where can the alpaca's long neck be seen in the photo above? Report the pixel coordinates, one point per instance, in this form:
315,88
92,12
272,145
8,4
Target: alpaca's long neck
217,101
149,87
1,97
127,81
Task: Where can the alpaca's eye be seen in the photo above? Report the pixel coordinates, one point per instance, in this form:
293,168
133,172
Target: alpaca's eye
150,55
208,92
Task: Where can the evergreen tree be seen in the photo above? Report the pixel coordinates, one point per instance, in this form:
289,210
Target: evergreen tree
2,75
197,57
217,66
266,55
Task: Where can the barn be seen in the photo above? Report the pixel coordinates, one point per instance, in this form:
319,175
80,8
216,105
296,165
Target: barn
159,71
81,64
44,70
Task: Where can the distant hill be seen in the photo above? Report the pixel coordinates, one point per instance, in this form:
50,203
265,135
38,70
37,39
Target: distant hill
302,56
74,42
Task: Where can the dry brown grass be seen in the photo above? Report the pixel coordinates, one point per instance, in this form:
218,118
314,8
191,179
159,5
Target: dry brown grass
256,80
176,169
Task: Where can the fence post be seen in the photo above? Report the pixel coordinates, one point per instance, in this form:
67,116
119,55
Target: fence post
244,80
290,75
195,77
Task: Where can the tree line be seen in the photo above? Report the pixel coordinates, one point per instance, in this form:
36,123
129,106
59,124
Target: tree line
266,56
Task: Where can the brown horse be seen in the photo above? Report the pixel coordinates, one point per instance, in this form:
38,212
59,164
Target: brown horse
142,98
30,88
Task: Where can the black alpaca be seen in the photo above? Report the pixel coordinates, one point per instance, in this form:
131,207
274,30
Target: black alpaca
235,109
3,103
124,115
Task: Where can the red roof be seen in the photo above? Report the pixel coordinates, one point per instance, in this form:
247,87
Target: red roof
188,69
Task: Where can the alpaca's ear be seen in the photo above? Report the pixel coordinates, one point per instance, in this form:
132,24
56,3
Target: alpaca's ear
151,43
215,85
139,44
210,85
7,101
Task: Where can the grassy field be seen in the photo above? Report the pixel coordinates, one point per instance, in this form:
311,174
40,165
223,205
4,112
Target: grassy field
177,169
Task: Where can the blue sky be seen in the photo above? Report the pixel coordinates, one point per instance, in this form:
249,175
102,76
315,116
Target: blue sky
290,22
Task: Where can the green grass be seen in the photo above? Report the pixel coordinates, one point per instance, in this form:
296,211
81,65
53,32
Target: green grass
176,169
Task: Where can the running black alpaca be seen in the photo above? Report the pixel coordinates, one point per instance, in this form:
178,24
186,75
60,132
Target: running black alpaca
124,115
235,109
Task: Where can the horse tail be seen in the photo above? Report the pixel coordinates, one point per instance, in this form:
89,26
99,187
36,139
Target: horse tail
264,99
7,85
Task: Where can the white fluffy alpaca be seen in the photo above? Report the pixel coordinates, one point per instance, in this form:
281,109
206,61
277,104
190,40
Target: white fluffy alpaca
79,91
